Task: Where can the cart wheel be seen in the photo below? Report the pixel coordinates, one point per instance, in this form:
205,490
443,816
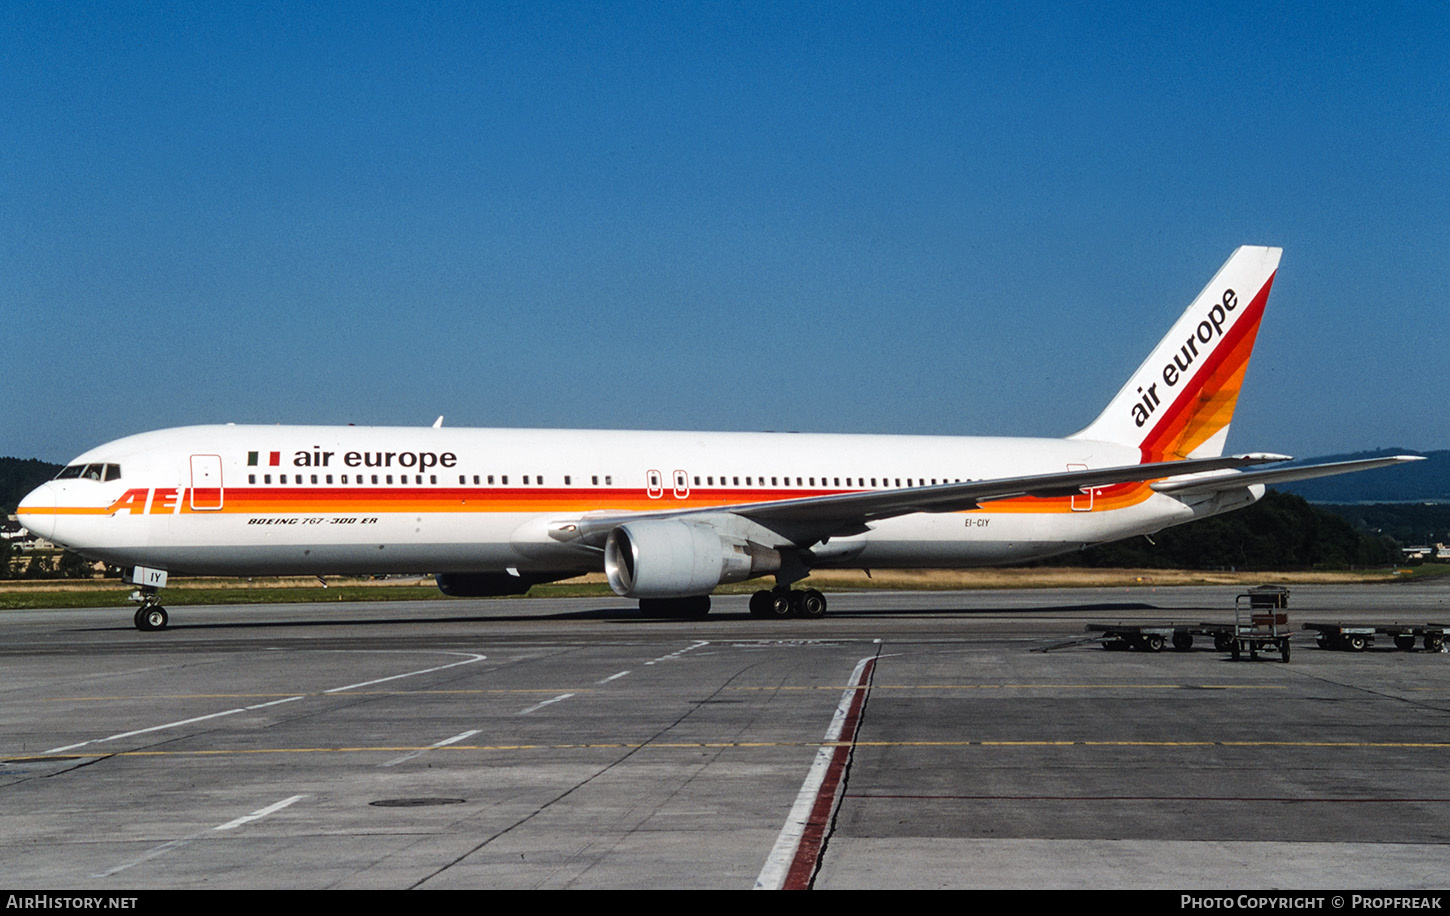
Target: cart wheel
1284,648
1183,641
1222,643
1237,650
1153,643
1405,642
1355,643
1433,643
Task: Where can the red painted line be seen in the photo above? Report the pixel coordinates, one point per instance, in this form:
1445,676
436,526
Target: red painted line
808,853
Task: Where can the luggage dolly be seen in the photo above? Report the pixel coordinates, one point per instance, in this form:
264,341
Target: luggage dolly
1357,638
1260,625
1119,637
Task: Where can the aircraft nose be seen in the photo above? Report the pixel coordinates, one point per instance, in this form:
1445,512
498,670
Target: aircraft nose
37,511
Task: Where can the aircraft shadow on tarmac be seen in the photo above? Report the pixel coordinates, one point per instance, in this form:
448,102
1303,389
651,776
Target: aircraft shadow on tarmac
195,619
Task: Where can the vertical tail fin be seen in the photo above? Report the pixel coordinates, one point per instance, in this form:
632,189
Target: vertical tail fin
1180,401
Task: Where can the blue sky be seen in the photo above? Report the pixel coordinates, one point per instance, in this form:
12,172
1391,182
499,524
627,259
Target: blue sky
951,218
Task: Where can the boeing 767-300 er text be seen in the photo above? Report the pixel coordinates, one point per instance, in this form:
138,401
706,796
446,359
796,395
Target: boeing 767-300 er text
669,516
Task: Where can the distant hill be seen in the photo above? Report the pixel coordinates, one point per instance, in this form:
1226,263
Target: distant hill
19,476
1418,481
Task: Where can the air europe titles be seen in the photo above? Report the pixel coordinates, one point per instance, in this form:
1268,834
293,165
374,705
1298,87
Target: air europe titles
420,460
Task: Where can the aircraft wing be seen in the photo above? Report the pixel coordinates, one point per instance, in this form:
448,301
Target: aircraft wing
1229,480
812,518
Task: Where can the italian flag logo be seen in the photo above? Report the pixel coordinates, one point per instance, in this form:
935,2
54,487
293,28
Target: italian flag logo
273,459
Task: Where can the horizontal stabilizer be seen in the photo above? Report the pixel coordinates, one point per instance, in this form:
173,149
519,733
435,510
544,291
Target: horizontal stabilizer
1229,480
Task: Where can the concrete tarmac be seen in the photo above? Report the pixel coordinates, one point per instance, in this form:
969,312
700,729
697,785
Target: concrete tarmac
572,744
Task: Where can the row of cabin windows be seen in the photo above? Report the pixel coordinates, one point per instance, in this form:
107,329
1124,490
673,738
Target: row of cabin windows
478,479
538,480
733,481
355,478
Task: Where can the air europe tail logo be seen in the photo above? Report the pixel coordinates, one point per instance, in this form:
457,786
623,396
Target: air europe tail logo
1199,344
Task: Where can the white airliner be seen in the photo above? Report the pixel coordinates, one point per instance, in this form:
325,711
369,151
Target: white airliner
669,516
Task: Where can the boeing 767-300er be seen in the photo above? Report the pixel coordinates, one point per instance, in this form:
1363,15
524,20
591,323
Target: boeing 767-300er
669,516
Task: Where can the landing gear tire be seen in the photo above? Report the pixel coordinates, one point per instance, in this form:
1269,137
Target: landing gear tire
152,617
811,605
781,606
781,603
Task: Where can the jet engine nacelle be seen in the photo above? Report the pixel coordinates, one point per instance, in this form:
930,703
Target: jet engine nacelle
672,558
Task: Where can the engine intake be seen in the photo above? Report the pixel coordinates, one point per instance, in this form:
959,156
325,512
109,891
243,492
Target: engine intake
671,558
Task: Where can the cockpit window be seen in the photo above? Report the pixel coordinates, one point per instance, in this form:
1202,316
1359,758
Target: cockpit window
98,472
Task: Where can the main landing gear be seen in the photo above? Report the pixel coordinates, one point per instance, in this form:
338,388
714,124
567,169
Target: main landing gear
787,602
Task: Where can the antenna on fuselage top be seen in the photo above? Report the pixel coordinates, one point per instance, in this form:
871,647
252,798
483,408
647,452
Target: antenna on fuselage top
438,423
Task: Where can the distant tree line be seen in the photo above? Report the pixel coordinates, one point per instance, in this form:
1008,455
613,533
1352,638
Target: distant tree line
1280,531
18,476
15,564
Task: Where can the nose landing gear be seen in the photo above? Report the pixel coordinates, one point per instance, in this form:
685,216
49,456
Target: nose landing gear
151,617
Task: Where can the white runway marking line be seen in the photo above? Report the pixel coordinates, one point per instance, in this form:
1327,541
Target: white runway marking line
177,844
560,698
613,677
231,712
778,863
444,743
383,680
177,724
673,655
260,813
